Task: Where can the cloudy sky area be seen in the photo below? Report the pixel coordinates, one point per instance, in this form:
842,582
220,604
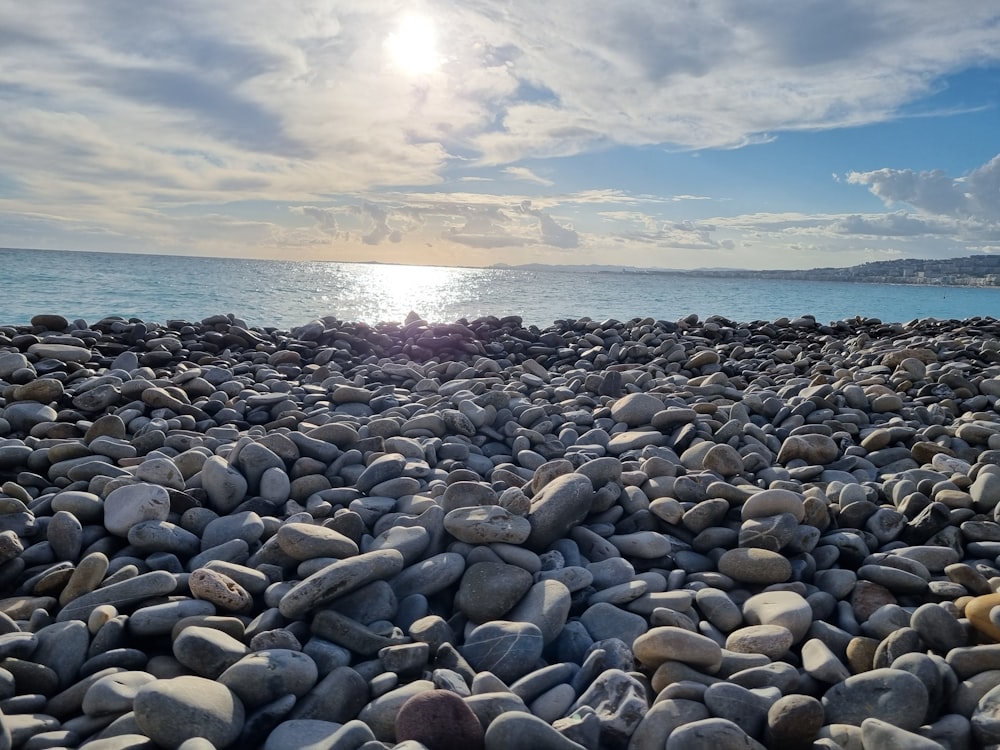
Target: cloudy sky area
737,133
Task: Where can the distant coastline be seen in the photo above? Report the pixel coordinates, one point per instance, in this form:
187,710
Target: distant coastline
971,271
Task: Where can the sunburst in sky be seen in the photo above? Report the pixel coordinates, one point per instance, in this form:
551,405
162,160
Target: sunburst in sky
725,133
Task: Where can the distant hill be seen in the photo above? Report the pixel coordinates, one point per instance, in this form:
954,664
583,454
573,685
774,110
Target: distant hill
974,270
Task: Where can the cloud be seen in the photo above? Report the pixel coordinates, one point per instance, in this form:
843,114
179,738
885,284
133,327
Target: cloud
974,196
898,224
523,173
552,233
325,218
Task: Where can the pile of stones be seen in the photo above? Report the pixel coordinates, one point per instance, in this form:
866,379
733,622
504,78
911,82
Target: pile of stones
603,535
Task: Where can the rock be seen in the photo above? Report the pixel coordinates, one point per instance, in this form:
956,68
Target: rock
677,644
114,694
560,505
771,640
508,649
380,714
752,565
546,605
441,720
784,608
888,694
794,721
516,729
636,409
263,676
172,711
619,700
486,524
129,505
207,651
876,733
339,578
304,541
711,734
490,589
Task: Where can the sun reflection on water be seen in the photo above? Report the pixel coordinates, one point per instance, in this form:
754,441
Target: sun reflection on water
392,291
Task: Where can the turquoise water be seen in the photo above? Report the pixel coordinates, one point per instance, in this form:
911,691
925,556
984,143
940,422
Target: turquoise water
285,294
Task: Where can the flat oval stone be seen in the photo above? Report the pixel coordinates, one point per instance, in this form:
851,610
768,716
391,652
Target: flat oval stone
785,608
547,605
486,524
771,640
304,541
560,505
114,693
753,565
172,711
263,676
339,578
670,643
772,502
439,719
132,504
220,590
507,649
490,589
207,651
891,695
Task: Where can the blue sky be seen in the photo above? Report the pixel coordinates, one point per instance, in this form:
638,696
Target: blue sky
738,133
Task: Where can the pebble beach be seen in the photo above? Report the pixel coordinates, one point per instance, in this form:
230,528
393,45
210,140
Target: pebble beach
595,535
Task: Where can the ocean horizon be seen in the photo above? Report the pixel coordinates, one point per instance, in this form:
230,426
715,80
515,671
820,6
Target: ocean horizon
288,293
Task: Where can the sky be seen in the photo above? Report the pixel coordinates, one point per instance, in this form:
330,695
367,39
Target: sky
651,133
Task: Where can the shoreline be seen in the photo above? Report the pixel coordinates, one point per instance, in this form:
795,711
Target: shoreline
773,533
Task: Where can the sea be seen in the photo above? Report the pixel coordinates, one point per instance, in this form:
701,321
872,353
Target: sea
285,294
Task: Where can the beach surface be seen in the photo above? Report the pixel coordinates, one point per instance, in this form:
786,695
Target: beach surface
605,535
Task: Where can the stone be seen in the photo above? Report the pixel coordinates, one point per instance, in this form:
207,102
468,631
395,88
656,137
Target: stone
753,565
114,693
380,714
771,640
441,720
560,505
132,504
263,676
517,729
888,694
876,733
785,608
486,524
507,649
207,651
304,541
619,700
677,644
224,485
794,721
636,409
546,605
219,589
489,590
662,718
821,663
174,710
711,734
773,502
339,578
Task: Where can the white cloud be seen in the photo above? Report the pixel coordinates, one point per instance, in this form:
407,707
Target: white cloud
167,125
525,174
974,196
898,224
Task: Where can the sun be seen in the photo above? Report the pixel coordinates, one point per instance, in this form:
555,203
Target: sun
412,47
